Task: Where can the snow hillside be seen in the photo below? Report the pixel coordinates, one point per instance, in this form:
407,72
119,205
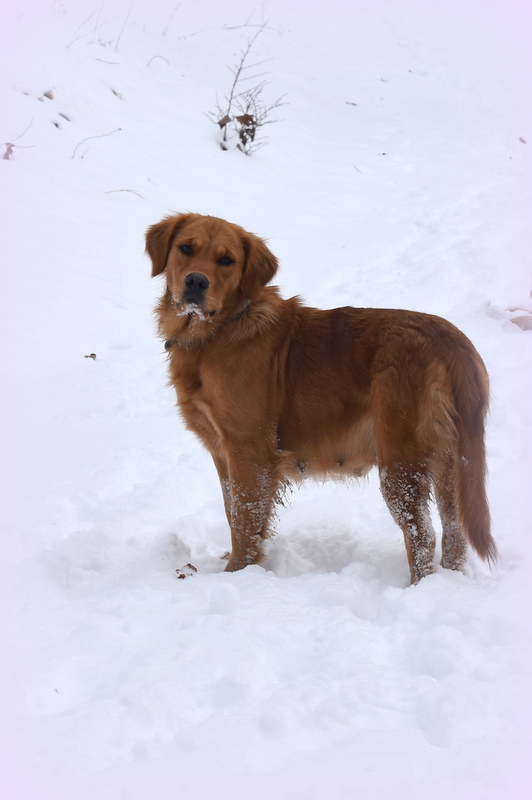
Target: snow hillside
398,174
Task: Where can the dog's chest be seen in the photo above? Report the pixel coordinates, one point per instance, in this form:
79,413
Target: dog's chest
196,394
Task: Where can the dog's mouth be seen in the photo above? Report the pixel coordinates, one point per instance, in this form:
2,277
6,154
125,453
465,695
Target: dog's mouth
193,310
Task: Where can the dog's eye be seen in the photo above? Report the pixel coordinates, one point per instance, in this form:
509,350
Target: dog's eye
225,261
186,249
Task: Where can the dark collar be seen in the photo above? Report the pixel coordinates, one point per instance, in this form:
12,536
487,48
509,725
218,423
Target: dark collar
244,305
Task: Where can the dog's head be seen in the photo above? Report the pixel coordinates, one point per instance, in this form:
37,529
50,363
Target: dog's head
212,266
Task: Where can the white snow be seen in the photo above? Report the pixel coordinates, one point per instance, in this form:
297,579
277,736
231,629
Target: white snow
398,175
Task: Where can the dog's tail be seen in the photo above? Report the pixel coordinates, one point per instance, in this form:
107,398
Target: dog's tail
471,398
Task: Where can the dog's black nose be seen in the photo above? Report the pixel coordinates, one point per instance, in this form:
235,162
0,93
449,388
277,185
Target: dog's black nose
196,282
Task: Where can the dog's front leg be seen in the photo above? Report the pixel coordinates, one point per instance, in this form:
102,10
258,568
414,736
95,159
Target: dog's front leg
252,488
223,475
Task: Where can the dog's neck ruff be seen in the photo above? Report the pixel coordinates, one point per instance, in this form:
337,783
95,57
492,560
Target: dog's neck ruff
169,343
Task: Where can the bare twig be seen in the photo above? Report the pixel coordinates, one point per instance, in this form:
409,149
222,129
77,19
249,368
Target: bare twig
153,59
133,191
240,68
247,24
122,31
26,129
244,112
97,25
170,18
10,146
75,38
99,136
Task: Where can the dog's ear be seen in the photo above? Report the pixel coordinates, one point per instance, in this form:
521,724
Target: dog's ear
259,268
159,238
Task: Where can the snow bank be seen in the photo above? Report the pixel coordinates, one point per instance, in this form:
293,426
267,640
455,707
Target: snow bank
398,175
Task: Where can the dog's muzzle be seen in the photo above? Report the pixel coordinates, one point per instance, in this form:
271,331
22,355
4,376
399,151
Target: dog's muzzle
195,286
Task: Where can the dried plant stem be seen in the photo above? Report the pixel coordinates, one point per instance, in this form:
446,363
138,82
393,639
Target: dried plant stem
133,191
244,113
122,31
98,136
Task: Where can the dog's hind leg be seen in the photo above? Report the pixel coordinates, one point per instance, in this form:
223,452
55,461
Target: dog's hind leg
453,543
403,460
406,491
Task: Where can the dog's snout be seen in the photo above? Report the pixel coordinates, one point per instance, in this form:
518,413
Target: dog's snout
197,282
195,286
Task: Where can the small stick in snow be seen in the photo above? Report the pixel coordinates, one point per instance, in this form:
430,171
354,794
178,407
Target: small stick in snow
99,136
154,57
133,191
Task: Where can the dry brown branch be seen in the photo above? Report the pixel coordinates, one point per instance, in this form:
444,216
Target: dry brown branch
122,30
167,26
99,136
133,191
153,59
244,112
10,146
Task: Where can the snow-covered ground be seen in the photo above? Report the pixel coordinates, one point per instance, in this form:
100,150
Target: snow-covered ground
398,174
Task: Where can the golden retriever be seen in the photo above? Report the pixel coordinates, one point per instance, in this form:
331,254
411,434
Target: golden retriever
277,391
